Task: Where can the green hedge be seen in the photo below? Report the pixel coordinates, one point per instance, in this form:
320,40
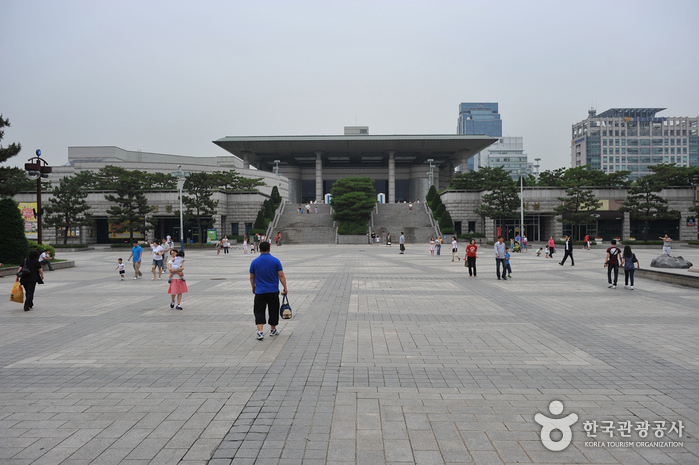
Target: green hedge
659,243
347,229
42,248
470,236
70,246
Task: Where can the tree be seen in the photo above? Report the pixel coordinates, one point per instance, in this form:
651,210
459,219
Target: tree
644,203
578,207
352,202
68,208
261,222
503,199
446,225
673,175
231,181
431,193
129,213
439,211
12,149
197,200
486,178
275,197
13,246
14,181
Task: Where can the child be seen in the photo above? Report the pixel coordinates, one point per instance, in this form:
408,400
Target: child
508,268
245,244
547,252
538,252
177,264
120,267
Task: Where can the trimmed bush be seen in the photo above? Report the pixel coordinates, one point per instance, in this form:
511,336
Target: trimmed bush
261,222
445,222
42,248
431,193
13,243
346,228
439,211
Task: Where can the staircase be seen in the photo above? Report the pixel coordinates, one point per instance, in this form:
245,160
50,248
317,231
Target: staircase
396,217
316,228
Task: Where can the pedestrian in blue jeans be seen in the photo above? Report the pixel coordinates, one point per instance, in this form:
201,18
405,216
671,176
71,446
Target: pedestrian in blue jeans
628,259
500,252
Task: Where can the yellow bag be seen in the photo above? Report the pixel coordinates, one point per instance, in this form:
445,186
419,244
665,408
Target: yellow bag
17,294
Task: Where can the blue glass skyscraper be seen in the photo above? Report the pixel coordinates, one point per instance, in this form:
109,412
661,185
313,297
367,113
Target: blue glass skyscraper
479,118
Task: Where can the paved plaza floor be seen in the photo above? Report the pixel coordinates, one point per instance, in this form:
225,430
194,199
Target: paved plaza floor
389,359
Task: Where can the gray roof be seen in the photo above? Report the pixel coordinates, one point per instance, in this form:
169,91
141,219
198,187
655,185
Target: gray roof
630,113
354,150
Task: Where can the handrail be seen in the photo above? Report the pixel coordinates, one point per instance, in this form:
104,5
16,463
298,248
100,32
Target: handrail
434,224
273,224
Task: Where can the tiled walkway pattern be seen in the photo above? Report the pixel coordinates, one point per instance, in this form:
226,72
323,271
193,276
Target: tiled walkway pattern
389,359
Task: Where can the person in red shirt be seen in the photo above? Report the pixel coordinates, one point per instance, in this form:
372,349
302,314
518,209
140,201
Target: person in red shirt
471,256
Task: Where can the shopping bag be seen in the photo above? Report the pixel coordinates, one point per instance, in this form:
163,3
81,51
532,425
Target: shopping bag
17,294
285,309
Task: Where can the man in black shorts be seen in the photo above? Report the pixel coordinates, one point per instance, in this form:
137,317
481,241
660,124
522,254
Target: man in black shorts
265,274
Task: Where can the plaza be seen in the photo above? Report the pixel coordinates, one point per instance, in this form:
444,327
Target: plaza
390,359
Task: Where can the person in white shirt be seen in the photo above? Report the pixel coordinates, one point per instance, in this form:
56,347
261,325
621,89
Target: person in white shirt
454,249
45,258
157,251
120,267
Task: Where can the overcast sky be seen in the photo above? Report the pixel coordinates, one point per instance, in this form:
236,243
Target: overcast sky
171,76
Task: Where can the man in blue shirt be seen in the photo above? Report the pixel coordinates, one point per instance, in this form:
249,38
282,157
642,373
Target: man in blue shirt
265,274
136,252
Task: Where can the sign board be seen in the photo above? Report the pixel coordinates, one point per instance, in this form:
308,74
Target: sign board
211,236
30,222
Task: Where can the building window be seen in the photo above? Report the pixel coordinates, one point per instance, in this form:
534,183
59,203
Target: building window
604,152
604,159
616,151
623,150
616,141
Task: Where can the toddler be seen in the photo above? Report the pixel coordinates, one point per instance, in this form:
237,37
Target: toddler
538,252
176,264
508,268
120,267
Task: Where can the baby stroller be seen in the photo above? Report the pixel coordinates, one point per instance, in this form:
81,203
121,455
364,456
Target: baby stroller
517,247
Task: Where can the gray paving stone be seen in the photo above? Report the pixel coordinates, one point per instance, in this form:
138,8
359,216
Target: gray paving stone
383,350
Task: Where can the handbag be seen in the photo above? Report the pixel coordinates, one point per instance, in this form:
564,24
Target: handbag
285,309
17,294
25,270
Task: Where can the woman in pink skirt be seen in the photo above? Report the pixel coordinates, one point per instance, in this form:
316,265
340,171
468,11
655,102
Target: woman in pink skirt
178,286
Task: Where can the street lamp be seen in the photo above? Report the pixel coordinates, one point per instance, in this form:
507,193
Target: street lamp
181,178
38,167
537,160
431,171
276,171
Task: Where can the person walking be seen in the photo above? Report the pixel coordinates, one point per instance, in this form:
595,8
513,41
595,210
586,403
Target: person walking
31,279
508,268
226,244
410,207
178,286
136,252
401,241
432,247
500,252
439,245
586,245
471,256
628,259
552,247
666,244
525,244
157,251
388,240
568,252
373,237
266,273
454,249
612,264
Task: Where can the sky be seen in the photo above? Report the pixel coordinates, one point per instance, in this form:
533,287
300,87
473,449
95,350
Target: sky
172,76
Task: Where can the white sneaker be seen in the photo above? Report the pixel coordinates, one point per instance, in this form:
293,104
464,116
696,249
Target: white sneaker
610,285
614,287
631,287
273,332
260,335
135,277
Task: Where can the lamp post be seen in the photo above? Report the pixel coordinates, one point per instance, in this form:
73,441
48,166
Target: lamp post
537,160
181,178
431,171
276,171
38,167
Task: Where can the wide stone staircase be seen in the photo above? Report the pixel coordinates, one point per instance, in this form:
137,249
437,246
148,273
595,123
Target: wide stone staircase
396,217
313,228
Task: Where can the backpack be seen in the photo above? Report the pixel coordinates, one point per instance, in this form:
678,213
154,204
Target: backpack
629,261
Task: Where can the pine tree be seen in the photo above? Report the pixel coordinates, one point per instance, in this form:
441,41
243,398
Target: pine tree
12,149
131,205
644,203
67,207
578,207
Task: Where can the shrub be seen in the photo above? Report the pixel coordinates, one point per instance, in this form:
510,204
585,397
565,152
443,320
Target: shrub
439,211
445,222
42,248
431,193
13,243
351,228
261,222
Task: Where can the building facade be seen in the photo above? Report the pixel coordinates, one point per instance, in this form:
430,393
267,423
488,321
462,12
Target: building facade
479,118
507,152
634,139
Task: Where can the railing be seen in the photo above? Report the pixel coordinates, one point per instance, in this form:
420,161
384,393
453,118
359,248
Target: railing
434,224
273,224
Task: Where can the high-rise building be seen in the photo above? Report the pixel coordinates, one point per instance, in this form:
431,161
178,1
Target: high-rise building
634,139
479,118
508,152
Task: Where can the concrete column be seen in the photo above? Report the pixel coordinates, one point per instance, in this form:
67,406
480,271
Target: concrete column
246,160
626,226
319,176
391,177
